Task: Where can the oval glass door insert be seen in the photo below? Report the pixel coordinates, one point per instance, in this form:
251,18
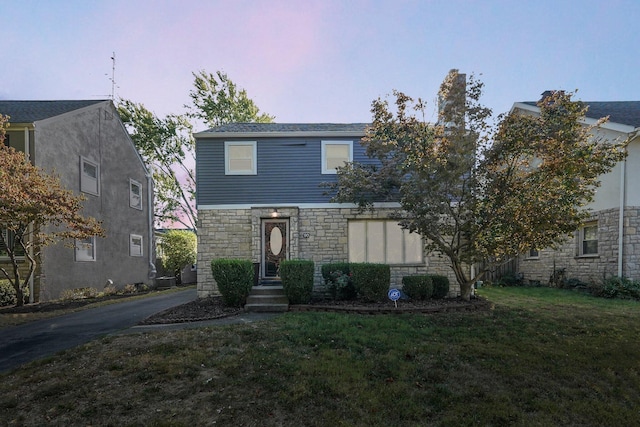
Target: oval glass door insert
275,239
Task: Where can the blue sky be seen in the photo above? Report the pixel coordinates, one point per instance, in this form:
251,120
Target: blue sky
319,61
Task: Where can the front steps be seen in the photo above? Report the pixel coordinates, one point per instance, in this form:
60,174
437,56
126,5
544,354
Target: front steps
267,299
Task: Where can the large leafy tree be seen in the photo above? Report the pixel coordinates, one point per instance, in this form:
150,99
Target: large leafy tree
479,193
167,146
178,250
35,210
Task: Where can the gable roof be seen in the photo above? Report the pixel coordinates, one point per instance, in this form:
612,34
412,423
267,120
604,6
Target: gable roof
623,112
285,129
32,111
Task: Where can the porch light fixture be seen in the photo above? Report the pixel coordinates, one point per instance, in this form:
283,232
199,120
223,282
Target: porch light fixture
275,213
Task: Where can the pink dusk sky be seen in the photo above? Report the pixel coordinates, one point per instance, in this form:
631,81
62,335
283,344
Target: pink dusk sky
318,61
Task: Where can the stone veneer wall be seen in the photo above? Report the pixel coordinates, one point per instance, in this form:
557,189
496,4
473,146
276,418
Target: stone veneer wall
592,268
317,234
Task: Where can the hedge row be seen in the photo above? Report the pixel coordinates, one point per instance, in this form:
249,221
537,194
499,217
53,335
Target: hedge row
367,281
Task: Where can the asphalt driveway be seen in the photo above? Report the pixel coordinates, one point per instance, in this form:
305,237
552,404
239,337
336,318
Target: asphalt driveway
42,338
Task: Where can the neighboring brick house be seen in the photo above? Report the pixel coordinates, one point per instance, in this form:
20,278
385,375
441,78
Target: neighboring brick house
608,244
86,145
259,198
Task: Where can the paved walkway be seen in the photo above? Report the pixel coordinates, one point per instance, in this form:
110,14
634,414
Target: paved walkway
42,338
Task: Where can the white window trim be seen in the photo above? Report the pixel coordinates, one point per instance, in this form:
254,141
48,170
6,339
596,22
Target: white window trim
581,239
254,160
131,245
133,182
84,178
530,256
323,154
384,243
80,255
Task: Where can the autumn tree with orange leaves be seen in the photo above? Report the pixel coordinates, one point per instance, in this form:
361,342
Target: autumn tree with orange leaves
478,193
36,211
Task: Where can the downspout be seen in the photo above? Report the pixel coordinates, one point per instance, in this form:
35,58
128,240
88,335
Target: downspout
623,185
621,217
151,251
27,155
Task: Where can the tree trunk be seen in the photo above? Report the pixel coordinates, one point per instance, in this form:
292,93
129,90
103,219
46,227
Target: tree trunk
464,282
465,290
19,295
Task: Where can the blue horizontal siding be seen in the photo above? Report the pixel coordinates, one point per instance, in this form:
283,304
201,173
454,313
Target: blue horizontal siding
289,171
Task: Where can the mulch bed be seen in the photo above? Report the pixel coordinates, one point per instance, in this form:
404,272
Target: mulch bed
211,308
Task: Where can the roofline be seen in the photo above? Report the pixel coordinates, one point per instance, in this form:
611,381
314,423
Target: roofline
278,134
614,126
70,112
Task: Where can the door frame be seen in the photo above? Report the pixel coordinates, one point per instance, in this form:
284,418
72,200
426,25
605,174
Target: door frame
286,242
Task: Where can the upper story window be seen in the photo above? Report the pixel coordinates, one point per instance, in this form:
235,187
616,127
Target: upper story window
589,239
383,241
135,245
533,253
86,249
89,177
335,154
240,158
135,194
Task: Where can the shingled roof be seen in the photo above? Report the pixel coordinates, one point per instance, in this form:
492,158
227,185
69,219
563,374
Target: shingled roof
622,112
32,111
265,128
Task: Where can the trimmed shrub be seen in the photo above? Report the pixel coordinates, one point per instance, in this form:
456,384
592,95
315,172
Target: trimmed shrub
328,269
338,278
418,287
371,281
8,294
234,278
440,286
297,280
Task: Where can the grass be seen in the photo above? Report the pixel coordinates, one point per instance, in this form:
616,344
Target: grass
14,319
541,357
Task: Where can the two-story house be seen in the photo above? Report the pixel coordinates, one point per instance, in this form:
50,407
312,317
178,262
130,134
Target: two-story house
259,197
609,243
86,145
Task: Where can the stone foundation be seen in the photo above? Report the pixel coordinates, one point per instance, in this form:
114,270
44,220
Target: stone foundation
591,268
316,234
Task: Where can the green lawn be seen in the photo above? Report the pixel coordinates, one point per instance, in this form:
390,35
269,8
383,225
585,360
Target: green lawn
542,357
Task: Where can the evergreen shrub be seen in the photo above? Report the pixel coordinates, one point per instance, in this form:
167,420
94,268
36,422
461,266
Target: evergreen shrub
440,286
234,278
419,287
371,281
297,280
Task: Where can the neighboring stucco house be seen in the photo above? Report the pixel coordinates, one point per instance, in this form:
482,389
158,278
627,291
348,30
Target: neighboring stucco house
608,244
86,145
259,197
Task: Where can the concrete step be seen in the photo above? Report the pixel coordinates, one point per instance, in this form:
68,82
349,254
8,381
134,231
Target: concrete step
267,299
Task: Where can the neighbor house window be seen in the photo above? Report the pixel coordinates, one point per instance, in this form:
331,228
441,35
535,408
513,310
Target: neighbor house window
335,154
135,245
8,239
382,241
534,253
240,158
86,249
89,176
135,194
589,239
